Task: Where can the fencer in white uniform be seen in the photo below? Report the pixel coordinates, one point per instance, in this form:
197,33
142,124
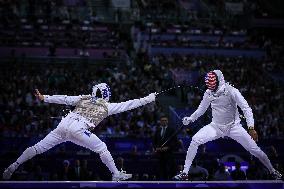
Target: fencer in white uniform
224,99
89,111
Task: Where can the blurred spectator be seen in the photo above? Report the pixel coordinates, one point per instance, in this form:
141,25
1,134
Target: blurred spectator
256,172
52,50
134,154
80,172
135,177
145,177
238,174
38,174
167,165
120,163
86,173
203,155
153,177
181,147
54,177
179,168
66,172
197,172
21,173
273,155
222,173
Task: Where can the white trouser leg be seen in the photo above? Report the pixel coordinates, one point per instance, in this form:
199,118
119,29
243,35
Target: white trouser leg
82,137
239,134
206,134
53,138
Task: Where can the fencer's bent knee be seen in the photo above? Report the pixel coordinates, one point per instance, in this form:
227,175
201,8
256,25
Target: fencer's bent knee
101,148
254,150
196,141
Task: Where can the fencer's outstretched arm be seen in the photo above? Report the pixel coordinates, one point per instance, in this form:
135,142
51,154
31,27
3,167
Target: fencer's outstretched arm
62,99
243,104
203,106
58,99
115,108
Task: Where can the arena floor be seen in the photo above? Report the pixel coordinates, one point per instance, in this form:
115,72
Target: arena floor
261,184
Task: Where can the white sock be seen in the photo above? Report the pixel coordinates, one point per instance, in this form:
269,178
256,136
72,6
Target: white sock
263,159
14,166
191,152
26,155
109,162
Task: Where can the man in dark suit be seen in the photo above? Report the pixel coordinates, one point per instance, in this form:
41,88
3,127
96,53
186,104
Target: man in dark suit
238,174
165,154
80,172
66,172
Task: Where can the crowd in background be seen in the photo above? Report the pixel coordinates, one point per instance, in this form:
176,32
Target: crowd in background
250,76
24,116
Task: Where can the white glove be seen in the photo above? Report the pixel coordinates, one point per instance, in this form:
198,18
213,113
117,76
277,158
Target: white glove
186,120
150,98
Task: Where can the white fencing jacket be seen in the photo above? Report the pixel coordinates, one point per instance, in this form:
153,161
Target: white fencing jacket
224,104
93,113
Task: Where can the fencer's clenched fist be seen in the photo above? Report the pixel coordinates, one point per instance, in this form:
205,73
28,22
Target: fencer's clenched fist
186,120
38,95
152,97
148,99
253,134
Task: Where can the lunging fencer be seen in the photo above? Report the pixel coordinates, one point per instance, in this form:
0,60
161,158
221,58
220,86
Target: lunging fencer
89,111
224,99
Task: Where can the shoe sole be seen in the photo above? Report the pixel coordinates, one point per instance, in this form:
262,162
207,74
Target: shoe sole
6,176
125,178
